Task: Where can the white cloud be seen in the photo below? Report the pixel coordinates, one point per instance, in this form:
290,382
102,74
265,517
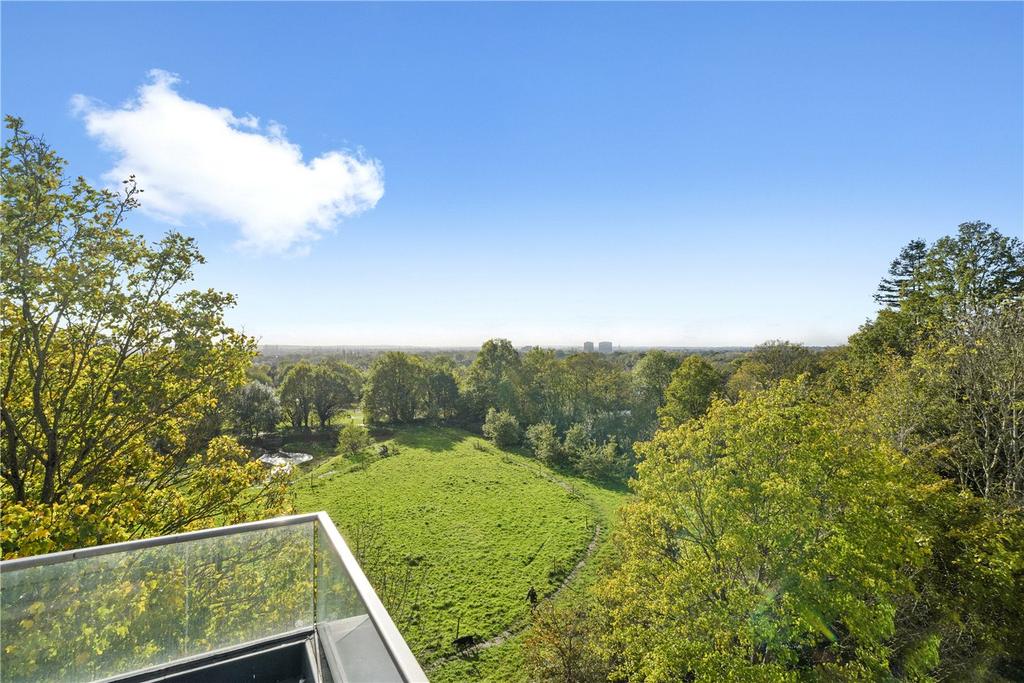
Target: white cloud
202,162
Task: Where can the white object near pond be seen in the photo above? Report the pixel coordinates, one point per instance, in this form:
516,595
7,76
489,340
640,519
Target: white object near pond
284,461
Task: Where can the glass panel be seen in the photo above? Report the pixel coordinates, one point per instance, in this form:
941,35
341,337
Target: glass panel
354,650
107,615
248,586
94,617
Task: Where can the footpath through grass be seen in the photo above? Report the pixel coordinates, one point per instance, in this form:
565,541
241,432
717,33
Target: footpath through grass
486,524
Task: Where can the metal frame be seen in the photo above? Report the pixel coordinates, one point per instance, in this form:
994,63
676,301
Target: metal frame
404,660
396,646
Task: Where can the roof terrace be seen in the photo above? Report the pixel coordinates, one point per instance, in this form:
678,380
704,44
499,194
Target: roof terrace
282,600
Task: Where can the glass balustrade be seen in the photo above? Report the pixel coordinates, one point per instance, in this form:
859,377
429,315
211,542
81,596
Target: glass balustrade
115,611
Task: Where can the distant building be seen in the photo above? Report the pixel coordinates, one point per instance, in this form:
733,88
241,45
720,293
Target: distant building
604,347
588,347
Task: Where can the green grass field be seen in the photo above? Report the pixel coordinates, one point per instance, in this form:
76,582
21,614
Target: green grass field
486,523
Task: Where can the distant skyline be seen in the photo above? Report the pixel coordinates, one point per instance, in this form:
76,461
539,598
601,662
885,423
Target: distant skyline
682,175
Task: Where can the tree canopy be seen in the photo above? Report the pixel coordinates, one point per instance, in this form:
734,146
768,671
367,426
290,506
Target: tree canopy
110,363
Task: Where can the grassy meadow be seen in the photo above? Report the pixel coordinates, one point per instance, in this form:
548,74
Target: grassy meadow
482,526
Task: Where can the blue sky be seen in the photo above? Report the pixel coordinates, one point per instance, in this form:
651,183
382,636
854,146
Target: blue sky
653,174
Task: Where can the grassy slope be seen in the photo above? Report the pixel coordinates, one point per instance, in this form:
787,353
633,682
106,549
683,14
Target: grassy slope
489,523
504,663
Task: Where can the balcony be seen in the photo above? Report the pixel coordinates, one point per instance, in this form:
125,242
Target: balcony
277,601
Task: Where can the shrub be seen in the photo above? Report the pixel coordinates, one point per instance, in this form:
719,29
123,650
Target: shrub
543,441
576,444
502,428
353,439
602,462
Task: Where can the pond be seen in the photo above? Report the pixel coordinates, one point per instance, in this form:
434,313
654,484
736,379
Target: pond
284,461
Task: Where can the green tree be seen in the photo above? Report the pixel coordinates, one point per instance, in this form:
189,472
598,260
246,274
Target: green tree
689,391
333,386
545,391
651,377
493,380
254,408
950,410
441,389
766,364
902,271
765,543
394,388
296,391
976,269
109,363
596,387
502,428
576,443
543,441
602,462
960,276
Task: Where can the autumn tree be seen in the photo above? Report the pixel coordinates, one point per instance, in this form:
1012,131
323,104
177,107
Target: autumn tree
561,645
109,361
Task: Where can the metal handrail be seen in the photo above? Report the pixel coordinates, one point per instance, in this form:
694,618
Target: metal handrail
395,644
399,650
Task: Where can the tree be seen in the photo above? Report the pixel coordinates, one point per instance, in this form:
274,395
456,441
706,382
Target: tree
394,388
902,274
333,386
768,363
297,393
108,363
544,391
502,428
441,390
982,380
774,542
543,441
964,609
651,377
596,386
577,443
561,645
602,462
690,390
254,408
353,439
492,381
976,269
961,276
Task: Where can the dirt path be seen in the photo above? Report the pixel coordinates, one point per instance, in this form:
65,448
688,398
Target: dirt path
522,625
